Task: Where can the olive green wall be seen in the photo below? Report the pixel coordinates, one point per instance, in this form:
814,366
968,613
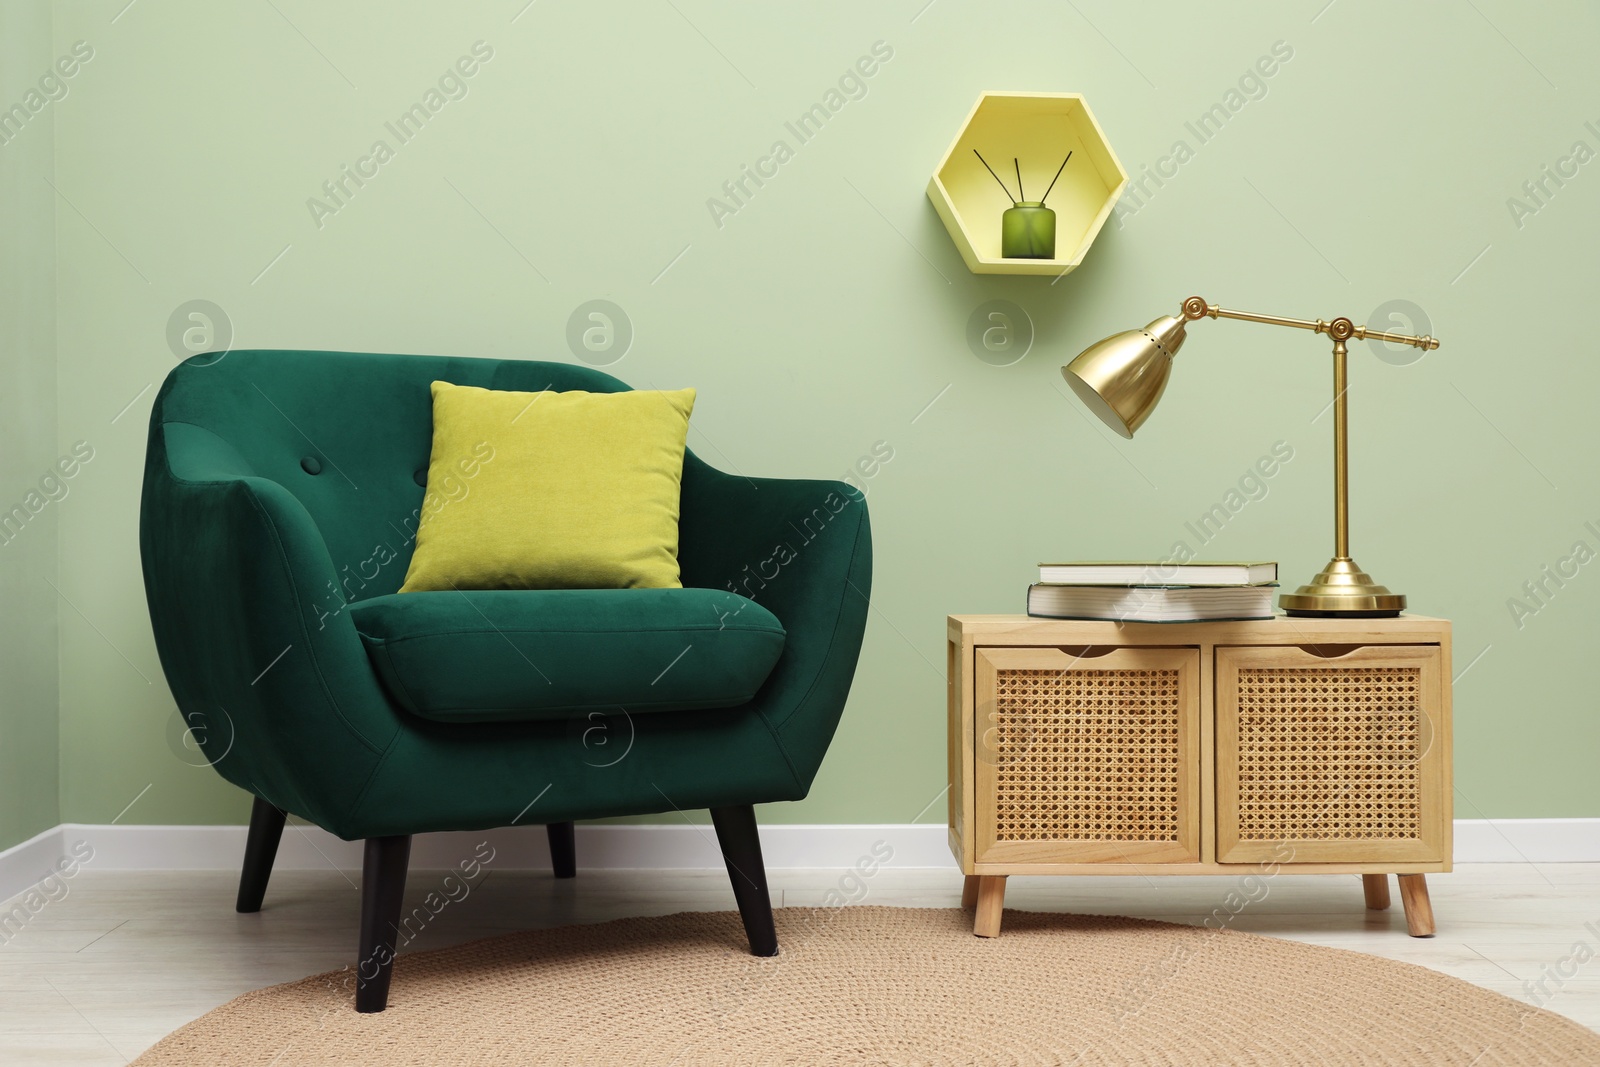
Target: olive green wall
830,311
29,724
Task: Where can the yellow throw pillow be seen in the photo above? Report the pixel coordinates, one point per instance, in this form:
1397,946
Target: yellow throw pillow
551,490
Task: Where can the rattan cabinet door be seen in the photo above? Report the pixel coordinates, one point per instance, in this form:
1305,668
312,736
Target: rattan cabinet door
1331,760
1084,758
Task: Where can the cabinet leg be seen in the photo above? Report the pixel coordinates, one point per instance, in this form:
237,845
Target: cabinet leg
990,904
1376,887
1419,909
969,891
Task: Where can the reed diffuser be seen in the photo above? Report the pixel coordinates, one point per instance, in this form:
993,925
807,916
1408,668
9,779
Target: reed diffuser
1028,228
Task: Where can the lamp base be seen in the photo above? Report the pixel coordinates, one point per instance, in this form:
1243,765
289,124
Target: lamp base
1342,590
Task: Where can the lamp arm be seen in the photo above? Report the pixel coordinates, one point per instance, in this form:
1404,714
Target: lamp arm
1339,329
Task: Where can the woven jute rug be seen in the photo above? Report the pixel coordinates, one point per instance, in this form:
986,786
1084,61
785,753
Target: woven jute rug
860,985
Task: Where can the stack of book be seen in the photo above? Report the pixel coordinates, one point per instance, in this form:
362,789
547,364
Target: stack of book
1153,591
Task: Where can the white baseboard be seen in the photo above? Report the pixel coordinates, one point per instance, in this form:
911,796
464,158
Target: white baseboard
657,847
1527,841
652,847
23,865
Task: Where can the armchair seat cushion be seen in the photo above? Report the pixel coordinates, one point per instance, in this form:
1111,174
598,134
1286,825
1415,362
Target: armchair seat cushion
521,655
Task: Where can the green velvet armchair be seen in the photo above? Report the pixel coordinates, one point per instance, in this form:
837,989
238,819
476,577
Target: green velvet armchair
281,496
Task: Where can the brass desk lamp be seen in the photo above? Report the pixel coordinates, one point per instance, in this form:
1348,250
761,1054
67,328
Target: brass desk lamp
1121,378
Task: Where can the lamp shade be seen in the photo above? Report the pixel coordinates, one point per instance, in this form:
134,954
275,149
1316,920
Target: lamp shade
1121,378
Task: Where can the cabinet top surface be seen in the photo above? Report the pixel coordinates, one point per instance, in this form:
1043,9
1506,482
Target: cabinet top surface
1279,627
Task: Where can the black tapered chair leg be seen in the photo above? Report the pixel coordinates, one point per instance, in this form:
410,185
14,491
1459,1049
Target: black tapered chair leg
741,851
563,849
383,885
260,849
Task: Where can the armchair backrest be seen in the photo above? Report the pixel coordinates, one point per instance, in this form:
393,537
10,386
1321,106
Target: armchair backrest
348,434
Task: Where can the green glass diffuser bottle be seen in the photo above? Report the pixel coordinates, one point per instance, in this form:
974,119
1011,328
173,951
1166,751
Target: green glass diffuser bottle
1028,228
1028,231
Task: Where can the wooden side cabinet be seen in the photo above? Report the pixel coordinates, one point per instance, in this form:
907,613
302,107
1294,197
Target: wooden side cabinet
1312,746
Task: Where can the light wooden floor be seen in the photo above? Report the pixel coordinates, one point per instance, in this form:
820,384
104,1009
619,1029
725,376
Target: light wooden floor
101,974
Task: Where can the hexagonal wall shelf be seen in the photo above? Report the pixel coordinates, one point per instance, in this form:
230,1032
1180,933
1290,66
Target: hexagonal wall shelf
1037,129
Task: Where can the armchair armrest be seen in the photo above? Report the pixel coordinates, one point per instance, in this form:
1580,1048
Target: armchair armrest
803,550
233,568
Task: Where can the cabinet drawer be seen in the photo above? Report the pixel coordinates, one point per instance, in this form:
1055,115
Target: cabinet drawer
1087,756
1338,759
